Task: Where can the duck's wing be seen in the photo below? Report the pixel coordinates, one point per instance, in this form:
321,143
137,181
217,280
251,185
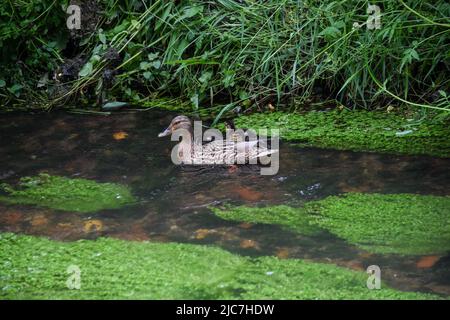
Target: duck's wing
230,146
232,152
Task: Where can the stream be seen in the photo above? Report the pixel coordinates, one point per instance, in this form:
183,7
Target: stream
174,201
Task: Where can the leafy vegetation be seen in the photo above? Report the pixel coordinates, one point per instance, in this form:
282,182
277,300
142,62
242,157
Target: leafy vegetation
32,40
37,268
394,223
358,130
243,53
62,193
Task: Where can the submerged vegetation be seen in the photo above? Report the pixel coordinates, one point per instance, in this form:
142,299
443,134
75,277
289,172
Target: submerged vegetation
288,217
169,271
80,195
246,53
394,223
358,130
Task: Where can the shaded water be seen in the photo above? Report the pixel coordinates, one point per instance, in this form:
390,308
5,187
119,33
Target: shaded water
174,201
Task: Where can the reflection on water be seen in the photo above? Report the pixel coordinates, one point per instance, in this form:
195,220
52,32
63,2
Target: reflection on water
174,201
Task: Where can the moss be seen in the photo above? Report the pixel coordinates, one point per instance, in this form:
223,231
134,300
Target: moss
395,223
36,268
357,130
290,218
398,223
62,193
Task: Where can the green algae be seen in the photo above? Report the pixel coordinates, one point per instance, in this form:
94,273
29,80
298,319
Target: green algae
388,223
36,268
289,218
80,195
403,224
357,130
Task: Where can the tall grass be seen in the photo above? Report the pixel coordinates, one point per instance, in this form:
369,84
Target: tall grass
252,53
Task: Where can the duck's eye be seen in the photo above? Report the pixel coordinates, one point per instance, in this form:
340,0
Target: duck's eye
176,122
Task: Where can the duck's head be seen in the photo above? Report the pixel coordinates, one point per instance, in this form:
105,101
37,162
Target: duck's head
229,124
179,122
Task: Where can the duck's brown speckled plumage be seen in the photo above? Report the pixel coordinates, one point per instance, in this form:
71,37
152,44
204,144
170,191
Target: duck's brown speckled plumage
236,151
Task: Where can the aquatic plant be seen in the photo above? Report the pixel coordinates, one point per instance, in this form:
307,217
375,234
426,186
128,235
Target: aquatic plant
403,224
38,268
67,194
387,223
358,130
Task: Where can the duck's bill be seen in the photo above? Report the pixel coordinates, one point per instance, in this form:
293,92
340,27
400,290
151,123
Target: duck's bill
164,133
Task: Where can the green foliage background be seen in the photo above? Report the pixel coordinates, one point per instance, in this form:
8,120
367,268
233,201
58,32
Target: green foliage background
243,52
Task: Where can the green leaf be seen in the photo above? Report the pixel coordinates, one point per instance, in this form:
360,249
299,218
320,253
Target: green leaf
228,79
86,70
148,75
135,24
43,81
192,11
205,77
15,89
224,109
330,32
144,65
95,58
339,24
102,38
243,95
408,56
182,45
156,64
51,45
114,105
164,16
152,56
2,83
194,100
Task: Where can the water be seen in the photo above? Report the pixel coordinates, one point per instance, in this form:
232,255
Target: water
174,201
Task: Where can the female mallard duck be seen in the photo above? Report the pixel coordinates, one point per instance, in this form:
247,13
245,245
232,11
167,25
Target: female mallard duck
237,135
191,151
